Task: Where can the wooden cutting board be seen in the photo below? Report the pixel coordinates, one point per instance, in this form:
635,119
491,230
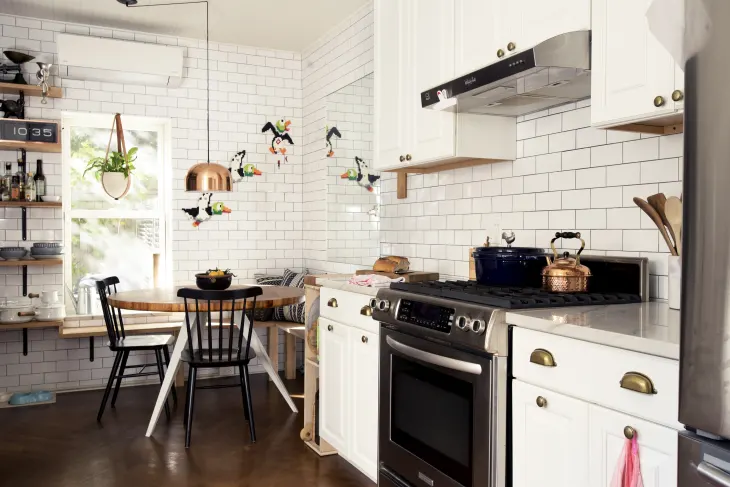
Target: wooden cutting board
411,276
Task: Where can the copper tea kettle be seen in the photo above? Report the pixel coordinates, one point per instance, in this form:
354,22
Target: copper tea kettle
565,274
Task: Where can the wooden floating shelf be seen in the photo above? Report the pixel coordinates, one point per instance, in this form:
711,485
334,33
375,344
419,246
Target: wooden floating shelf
31,146
30,325
31,90
664,125
32,204
31,262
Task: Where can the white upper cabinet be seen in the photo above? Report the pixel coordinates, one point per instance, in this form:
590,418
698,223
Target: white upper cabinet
633,76
542,20
474,40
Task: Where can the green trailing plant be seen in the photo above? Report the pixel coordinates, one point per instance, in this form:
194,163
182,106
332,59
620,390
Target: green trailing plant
116,162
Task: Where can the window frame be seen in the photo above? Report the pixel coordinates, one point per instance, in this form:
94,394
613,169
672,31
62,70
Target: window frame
164,212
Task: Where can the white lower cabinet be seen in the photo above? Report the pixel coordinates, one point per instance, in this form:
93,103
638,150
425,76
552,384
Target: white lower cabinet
348,363
657,448
549,438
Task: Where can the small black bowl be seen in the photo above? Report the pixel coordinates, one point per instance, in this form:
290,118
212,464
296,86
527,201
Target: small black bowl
208,283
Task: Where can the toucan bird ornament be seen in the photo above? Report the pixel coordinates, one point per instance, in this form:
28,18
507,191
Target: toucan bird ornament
205,211
330,132
280,133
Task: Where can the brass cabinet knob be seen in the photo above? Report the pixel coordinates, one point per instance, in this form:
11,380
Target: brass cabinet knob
364,339
408,157
332,303
677,95
541,401
500,53
329,328
511,46
637,382
658,101
629,432
402,158
366,311
540,356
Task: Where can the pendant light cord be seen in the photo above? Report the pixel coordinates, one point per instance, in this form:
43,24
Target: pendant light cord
207,52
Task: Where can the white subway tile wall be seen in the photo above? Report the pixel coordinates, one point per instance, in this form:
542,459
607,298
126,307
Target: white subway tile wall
249,87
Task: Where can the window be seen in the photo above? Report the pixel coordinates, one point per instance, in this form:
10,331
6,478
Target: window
129,237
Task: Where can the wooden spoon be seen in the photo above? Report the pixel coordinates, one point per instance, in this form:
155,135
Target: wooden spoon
649,210
658,201
673,210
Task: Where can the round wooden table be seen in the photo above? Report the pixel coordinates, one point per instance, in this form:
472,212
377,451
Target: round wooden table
166,300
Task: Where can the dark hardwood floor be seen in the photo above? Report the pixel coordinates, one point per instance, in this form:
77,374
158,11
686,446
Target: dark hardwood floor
63,445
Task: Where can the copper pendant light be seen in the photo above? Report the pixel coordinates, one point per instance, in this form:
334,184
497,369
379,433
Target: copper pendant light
204,176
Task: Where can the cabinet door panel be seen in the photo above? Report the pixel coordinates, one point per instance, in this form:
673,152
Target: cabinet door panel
334,378
432,54
474,35
657,448
630,67
542,20
391,86
507,25
550,443
363,451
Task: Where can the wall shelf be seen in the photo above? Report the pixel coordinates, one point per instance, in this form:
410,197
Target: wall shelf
31,204
31,90
31,262
31,146
29,325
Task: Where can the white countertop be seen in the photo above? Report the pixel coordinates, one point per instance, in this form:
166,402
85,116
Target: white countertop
342,285
650,328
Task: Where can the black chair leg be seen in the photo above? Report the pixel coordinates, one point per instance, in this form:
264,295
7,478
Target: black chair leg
166,353
108,389
191,405
158,354
125,356
247,383
243,392
187,397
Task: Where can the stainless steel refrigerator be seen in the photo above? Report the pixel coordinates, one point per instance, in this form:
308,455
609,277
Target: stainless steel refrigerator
704,404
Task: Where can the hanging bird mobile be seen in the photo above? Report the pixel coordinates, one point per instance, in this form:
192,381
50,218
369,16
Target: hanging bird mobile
244,170
205,211
330,132
361,175
280,131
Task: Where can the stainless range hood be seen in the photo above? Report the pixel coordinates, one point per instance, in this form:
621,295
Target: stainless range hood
554,72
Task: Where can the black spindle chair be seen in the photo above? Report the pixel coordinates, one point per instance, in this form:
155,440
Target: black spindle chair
122,345
216,355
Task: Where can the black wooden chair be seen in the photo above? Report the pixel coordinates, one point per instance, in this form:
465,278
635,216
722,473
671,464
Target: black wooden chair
216,355
122,344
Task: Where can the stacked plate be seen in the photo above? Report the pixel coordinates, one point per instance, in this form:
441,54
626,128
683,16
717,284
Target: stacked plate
12,253
46,250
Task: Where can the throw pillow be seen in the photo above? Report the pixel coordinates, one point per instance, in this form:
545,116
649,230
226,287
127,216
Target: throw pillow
265,314
295,312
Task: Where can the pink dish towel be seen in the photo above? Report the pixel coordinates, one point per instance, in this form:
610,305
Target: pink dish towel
628,469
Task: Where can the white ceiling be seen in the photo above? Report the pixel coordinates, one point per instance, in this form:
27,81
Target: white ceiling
282,24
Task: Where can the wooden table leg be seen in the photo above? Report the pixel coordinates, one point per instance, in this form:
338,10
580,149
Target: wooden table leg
290,365
272,336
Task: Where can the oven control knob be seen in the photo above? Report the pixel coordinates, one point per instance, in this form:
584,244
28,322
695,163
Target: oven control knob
462,322
477,326
383,305
374,303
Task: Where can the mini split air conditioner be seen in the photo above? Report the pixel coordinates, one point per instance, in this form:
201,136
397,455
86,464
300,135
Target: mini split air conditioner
118,61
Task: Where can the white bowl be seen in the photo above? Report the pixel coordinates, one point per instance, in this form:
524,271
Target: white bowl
51,199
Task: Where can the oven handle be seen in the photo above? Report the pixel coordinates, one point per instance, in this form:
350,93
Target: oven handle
432,358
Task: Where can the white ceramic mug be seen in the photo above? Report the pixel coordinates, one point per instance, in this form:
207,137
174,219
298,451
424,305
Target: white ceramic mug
675,281
49,297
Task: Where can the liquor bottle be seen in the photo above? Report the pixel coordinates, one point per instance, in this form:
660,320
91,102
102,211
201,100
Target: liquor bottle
8,181
30,191
40,181
21,188
15,189
21,169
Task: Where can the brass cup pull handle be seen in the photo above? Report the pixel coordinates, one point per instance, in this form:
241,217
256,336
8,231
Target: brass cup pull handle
332,303
366,311
542,357
329,328
658,101
364,339
541,402
637,382
511,46
629,432
402,158
500,53
677,95
26,313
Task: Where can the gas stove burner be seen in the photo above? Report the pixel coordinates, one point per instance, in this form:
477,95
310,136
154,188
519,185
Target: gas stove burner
511,298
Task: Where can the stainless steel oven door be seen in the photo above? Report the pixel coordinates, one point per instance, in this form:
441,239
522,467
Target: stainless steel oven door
442,413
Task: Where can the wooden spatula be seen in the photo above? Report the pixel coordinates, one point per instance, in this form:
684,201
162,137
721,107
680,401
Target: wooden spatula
649,210
673,210
658,201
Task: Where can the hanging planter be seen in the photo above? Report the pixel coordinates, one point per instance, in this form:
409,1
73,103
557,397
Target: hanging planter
114,170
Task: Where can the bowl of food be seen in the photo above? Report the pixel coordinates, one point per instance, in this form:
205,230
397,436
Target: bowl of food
214,280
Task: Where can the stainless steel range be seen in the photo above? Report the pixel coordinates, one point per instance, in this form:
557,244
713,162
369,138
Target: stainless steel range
444,384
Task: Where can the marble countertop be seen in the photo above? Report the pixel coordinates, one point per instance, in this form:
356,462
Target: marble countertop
650,328
342,285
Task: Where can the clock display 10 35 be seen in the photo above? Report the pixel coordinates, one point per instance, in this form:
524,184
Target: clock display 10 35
27,131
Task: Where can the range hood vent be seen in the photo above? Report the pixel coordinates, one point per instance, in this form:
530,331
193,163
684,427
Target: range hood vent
555,72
